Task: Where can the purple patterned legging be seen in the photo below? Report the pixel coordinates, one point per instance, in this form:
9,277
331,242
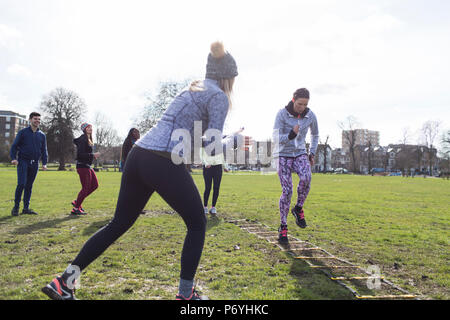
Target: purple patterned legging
286,166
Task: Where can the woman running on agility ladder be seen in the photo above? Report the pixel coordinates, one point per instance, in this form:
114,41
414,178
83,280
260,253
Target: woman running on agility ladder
291,126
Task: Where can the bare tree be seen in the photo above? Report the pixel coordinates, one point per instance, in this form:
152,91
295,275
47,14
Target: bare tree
445,153
348,127
445,140
369,156
430,130
106,139
105,134
62,110
406,136
325,153
156,106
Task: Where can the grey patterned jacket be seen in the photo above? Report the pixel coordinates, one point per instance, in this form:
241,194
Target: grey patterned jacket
210,106
283,125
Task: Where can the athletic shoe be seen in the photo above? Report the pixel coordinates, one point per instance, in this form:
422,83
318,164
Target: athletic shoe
205,210
78,212
28,211
194,296
282,234
15,211
74,204
58,290
213,211
299,216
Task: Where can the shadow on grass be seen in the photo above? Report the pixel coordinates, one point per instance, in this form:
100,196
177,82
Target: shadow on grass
43,225
212,222
315,285
5,218
95,226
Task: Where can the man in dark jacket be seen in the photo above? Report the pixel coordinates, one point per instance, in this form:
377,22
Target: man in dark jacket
29,146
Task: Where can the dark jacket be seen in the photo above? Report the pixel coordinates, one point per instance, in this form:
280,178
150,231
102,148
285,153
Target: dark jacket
126,147
29,145
85,155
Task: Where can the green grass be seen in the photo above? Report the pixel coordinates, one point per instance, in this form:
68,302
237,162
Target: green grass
365,220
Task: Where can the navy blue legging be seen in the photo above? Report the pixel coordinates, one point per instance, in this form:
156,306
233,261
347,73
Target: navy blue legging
210,175
26,173
146,172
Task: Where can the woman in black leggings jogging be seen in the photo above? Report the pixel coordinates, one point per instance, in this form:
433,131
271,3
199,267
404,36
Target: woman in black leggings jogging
149,168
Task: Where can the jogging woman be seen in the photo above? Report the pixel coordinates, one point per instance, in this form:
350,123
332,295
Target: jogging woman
291,126
85,157
149,168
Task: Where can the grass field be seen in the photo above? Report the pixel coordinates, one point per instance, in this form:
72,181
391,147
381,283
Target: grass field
400,224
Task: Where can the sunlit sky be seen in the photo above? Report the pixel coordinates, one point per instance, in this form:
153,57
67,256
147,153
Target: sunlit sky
384,62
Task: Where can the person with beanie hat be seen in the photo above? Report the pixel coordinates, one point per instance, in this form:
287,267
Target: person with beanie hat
150,167
85,157
291,126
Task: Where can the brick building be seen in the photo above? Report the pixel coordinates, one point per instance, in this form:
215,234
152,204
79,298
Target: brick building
10,123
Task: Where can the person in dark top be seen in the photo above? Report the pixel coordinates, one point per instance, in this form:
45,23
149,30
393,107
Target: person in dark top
85,157
29,146
212,172
133,136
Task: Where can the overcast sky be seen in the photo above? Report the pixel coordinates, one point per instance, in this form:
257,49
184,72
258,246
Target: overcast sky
384,62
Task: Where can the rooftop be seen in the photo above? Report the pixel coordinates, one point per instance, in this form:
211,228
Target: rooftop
7,113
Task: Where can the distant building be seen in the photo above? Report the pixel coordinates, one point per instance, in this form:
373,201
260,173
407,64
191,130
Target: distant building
362,138
368,158
418,158
10,123
340,158
322,158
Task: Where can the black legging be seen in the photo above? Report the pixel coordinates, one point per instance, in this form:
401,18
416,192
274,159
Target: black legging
213,173
144,173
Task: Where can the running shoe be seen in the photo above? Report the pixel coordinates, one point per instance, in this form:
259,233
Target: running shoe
299,216
206,210
15,211
78,212
74,204
194,296
213,211
28,211
58,290
282,234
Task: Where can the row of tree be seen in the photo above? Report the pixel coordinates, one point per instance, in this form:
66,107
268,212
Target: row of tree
63,111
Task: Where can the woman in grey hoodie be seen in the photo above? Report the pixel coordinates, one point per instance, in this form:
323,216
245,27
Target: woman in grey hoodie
291,126
149,168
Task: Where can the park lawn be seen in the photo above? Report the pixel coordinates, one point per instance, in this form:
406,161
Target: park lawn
399,224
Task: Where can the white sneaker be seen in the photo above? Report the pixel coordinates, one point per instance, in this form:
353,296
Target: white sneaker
206,210
213,210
